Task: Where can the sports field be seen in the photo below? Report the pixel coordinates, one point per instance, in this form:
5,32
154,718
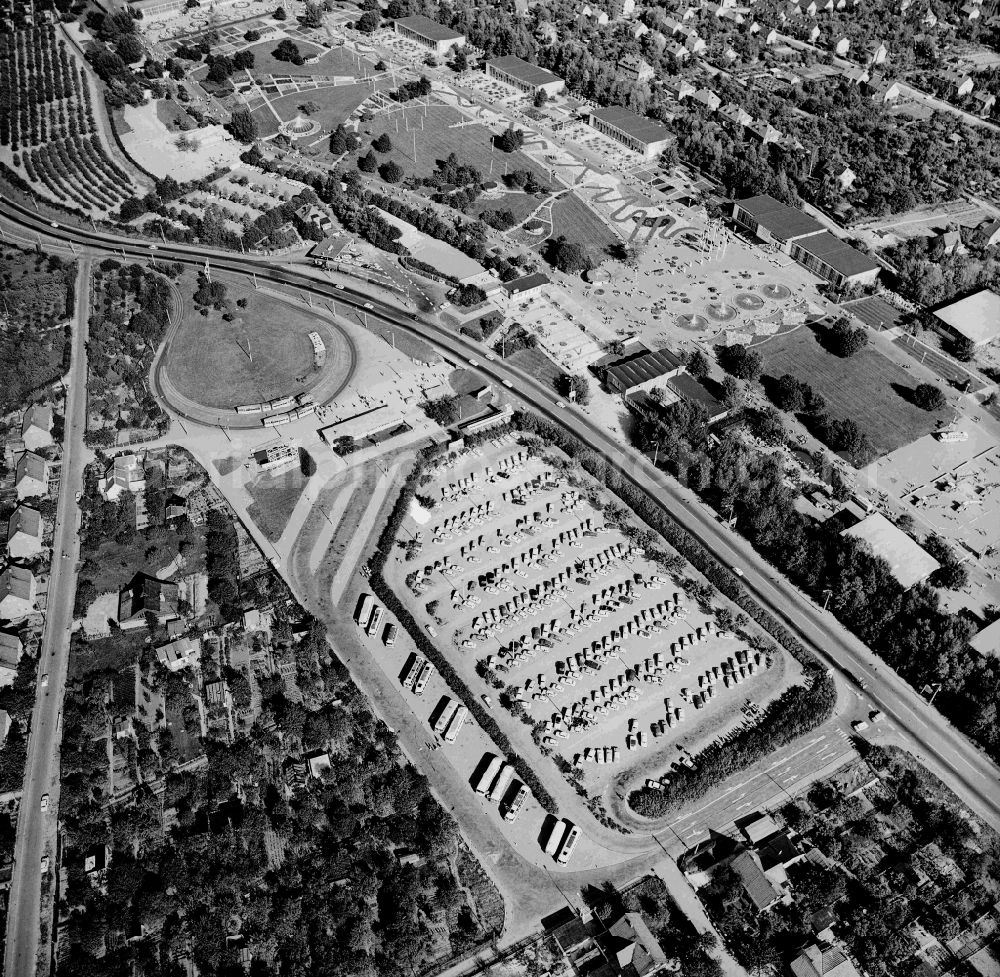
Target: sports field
335,106
867,388
264,353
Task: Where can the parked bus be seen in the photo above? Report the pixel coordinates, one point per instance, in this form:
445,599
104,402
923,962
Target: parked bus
457,722
501,784
512,808
555,837
445,714
423,678
389,638
365,610
487,777
413,669
569,844
375,622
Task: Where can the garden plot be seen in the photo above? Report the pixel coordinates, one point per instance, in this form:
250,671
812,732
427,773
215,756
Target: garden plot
589,640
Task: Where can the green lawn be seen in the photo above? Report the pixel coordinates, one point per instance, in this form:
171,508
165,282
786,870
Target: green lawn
867,387
274,499
574,219
208,359
335,106
535,362
266,64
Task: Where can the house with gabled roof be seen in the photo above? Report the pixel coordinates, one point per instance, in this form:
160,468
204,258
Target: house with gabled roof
879,54
757,890
823,960
24,533
637,952
145,594
31,475
11,649
36,427
18,591
123,474
842,46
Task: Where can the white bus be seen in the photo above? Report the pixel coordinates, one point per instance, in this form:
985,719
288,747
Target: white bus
457,722
511,809
569,843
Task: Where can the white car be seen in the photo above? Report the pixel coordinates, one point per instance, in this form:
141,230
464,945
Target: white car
487,701
473,362
368,305
738,571
431,631
339,288
45,803
45,680
560,403
45,864
507,383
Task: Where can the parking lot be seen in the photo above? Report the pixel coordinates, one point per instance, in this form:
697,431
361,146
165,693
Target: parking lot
548,611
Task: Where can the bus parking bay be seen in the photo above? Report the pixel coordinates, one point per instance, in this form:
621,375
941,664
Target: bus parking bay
594,637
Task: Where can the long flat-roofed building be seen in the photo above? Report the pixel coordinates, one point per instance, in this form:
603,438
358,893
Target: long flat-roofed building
975,318
645,136
524,76
774,222
835,260
428,33
909,561
640,368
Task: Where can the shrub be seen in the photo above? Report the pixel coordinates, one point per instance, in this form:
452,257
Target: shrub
928,397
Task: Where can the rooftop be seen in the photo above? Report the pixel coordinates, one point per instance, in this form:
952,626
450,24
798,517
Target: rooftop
909,561
825,961
523,71
428,28
760,891
637,126
643,366
636,945
691,389
781,221
25,520
525,283
987,642
977,316
838,254
37,416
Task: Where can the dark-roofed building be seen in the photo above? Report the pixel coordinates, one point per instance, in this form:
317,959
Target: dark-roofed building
428,33
36,427
328,251
640,134
523,76
774,222
823,961
758,890
835,260
24,533
693,391
525,287
31,475
146,595
640,369
636,950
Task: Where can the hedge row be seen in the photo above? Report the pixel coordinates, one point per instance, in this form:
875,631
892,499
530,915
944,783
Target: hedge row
797,711
426,647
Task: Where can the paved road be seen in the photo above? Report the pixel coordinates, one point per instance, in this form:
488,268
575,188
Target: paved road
922,730
36,833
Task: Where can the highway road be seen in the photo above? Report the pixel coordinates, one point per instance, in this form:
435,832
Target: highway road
922,730
36,831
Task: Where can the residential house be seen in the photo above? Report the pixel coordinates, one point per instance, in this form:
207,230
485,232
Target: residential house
882,91
763,132
812,9
842,47
695,44
757,890
679,52
36,427
318,763
959,84
950,242
856,76
317,216
735,116
31,476
96,859
984,102
929,18
179,654
878,55
760,829
823,960
18,591
970,11
144,595
636,951
771,38
988,233
844,177
708,99
123,474
217,694
11,649
814,33
635,68
24,533
678,88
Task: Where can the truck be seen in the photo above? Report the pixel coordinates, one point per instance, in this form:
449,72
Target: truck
486,778
446,710
365,610
375,622
457,722
555,838
389,637
510,809
413,668
569,843
423,678
501,784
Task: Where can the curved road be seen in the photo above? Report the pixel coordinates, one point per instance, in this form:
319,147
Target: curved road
924,731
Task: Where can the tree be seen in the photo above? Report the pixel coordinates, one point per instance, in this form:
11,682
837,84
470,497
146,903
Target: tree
845,341
220,70
928,397
391,172
368,22
568,256
510,140
280,14
460,62
129,48
313,15
310,107
368,163
288,50
963,348
541,97
789,394
698,365
443,411
251,36
383,144
244,126
576,388
741,362
243,60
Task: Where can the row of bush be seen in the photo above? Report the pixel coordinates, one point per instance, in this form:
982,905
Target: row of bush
426,647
